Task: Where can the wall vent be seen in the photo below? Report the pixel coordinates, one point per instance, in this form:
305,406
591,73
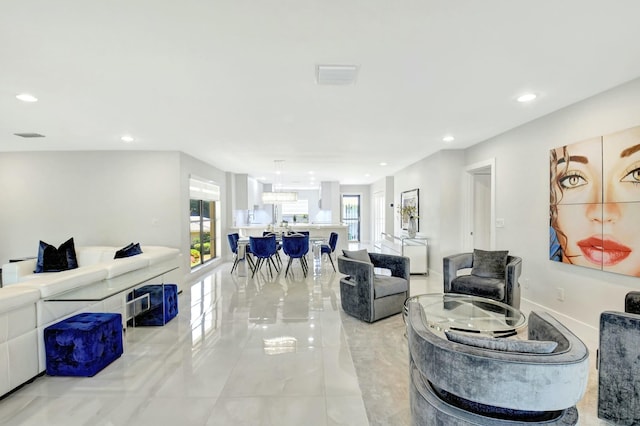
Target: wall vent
336,75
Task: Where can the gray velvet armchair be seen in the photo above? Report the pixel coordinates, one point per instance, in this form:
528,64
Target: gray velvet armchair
619,364
503,287
454,384
369,296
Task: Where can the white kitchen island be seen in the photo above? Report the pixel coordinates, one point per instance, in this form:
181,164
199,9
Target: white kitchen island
315,231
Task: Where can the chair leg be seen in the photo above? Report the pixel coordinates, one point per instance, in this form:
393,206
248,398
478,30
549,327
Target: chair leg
269,266
252,265
288,266
257,266
332,264
235,263
273,262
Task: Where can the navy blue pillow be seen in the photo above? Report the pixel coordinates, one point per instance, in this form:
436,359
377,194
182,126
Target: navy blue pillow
51,259
128,251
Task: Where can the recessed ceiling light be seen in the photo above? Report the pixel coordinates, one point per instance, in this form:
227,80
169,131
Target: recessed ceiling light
527,97
367,175
127,138
311,172
383,164
448,139
25,97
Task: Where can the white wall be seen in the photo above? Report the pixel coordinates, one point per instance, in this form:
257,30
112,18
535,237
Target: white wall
522,199
108,198
439,179
98,198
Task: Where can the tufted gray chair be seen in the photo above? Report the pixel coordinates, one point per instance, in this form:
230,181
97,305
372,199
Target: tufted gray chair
369,296
505,290
454,384
619,363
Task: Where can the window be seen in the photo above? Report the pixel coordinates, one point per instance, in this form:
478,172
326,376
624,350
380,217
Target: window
203,221
296,211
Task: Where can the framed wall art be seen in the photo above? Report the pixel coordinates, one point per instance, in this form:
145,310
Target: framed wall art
595,203
409,208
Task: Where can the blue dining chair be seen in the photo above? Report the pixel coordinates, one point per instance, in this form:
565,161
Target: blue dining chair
264,249
329,248
278,246
233,239
296,247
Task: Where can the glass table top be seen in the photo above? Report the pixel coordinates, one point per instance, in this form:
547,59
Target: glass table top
460,312
110,287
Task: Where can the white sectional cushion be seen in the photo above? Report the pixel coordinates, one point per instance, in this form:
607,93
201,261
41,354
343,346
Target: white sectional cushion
118,267
92,255
15,272
14,297
51,284
158,254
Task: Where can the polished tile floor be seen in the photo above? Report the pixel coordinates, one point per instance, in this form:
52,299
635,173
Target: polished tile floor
245,351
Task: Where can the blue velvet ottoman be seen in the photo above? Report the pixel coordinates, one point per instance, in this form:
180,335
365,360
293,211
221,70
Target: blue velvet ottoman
83,344
161,310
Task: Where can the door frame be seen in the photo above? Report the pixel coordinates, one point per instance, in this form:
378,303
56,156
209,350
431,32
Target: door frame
470,171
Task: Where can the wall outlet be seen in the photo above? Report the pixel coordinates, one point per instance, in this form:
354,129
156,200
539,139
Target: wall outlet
560,294
527,283
499,223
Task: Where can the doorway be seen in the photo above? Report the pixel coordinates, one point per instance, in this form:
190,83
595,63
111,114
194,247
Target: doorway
480,217
351,216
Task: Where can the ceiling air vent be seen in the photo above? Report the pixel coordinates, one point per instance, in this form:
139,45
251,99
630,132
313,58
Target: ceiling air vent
29,135
336,75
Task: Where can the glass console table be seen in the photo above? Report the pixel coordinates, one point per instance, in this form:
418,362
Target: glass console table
122,284
415,248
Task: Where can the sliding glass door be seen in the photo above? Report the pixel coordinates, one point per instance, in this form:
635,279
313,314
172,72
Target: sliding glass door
202,218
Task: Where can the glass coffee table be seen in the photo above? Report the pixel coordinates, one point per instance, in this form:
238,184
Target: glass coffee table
474,314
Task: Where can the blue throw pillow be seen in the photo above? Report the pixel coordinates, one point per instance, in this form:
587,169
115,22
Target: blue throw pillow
51,259
128,251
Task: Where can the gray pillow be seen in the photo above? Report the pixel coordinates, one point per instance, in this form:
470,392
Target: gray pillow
362,255
506,345
489,264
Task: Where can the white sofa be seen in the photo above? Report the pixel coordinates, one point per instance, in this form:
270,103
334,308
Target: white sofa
18,337
24,292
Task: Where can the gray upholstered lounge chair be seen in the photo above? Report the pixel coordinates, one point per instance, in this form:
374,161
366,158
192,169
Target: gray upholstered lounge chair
619,365
484,281
455,384
371,297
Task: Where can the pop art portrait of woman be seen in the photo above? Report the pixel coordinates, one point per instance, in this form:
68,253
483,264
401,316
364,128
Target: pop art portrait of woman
595,203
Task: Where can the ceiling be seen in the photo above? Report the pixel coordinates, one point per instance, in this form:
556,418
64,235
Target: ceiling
232,82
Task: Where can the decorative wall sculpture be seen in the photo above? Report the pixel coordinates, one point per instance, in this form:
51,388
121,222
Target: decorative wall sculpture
594,206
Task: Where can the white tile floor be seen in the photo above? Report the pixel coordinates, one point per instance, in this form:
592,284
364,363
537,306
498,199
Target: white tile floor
222,362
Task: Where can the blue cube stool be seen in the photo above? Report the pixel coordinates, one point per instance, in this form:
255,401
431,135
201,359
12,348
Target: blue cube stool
83,344
161,311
